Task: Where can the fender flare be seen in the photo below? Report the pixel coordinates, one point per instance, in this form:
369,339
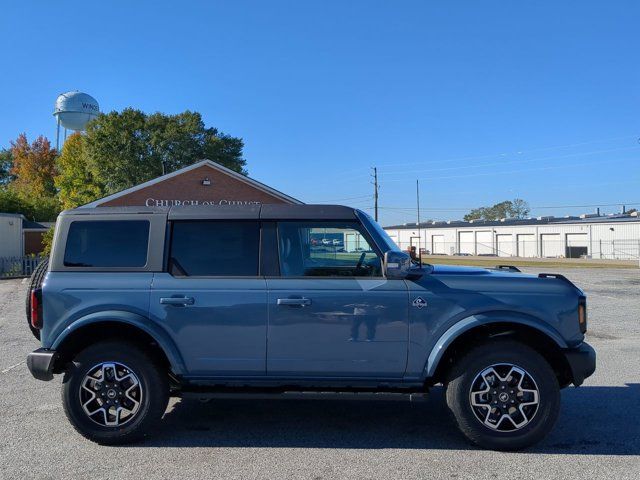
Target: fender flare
144,324
486,318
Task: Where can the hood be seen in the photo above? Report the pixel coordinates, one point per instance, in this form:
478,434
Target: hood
464,271
479,273
459,270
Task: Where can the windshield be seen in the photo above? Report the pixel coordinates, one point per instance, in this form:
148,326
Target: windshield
380,233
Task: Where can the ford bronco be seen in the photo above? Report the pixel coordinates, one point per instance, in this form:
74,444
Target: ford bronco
137,304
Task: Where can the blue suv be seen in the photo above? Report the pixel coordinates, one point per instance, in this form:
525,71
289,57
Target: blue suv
137,304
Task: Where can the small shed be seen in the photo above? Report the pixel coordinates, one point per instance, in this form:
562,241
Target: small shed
11,237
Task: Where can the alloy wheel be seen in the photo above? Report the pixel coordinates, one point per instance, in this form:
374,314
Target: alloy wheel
504,397
110,394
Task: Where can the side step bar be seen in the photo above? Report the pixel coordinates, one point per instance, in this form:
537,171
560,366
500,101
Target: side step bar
310,395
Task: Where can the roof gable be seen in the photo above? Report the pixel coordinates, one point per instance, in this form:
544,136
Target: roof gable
203,163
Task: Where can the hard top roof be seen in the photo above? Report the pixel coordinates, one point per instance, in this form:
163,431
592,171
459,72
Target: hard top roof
230,212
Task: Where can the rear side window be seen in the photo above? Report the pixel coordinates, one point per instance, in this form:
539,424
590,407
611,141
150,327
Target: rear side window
117,243
215,248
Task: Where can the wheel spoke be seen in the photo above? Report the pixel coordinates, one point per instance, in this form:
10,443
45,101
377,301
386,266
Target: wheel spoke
108,371
85,406
489,376
477,399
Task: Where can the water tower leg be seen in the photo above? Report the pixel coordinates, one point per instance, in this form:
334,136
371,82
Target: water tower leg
58,134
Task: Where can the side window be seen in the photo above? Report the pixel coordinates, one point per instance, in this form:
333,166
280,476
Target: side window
325,249
107,243
214,248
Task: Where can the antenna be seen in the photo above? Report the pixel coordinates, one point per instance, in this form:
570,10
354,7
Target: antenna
418,205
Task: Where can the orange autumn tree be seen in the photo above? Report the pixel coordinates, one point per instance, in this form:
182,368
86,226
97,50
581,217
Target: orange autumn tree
34,167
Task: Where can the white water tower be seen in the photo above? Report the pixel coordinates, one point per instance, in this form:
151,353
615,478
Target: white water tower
73,111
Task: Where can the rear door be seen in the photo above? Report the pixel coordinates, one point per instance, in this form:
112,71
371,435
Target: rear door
331,312
212,300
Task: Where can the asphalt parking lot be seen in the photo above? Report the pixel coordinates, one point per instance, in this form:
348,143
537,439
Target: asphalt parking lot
597,435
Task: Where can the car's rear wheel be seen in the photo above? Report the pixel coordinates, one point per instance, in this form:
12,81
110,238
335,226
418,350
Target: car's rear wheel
503,395
114,393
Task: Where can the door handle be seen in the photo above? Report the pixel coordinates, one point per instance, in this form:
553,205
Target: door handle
295,302
177,301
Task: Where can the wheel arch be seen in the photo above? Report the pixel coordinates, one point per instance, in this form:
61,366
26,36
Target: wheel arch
476,329
117,325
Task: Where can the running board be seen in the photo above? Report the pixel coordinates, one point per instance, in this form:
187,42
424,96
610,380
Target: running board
305,395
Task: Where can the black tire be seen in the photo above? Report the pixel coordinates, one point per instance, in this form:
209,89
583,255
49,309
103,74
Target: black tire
37,277
465,373
154,392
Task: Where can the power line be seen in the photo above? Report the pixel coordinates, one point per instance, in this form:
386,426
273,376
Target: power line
341,199
522,152
485,174
517,162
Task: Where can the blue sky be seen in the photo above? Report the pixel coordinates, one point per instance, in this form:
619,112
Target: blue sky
482,101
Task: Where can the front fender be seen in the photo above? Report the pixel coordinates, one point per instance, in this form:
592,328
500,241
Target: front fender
133,319
486,318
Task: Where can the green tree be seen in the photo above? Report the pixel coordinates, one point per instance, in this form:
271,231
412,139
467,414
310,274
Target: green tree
33,167
129,147
520,208
508,209
477,214
47,240
38,209
6,165
75,182
10,202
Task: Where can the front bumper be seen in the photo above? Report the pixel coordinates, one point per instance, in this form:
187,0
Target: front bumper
40,363
582,361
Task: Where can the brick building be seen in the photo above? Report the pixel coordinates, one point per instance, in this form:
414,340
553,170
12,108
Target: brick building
203,183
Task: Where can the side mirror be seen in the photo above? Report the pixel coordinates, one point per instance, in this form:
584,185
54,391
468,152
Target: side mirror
396,265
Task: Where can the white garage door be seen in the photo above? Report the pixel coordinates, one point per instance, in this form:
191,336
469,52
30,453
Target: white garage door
505,245
437,244
467,243
577,245
526,245
484,243
552,245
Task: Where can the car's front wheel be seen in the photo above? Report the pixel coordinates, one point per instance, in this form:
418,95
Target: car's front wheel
504,395
114,392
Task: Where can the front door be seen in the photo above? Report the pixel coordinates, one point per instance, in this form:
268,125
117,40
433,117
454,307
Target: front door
212,301
331,312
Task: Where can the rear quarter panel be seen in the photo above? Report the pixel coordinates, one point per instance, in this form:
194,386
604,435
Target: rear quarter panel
69,297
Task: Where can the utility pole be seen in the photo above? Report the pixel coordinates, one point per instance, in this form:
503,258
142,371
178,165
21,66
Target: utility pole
418,221
375,192
418,198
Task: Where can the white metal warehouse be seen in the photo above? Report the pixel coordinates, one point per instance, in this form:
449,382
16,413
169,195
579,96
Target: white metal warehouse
586,236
